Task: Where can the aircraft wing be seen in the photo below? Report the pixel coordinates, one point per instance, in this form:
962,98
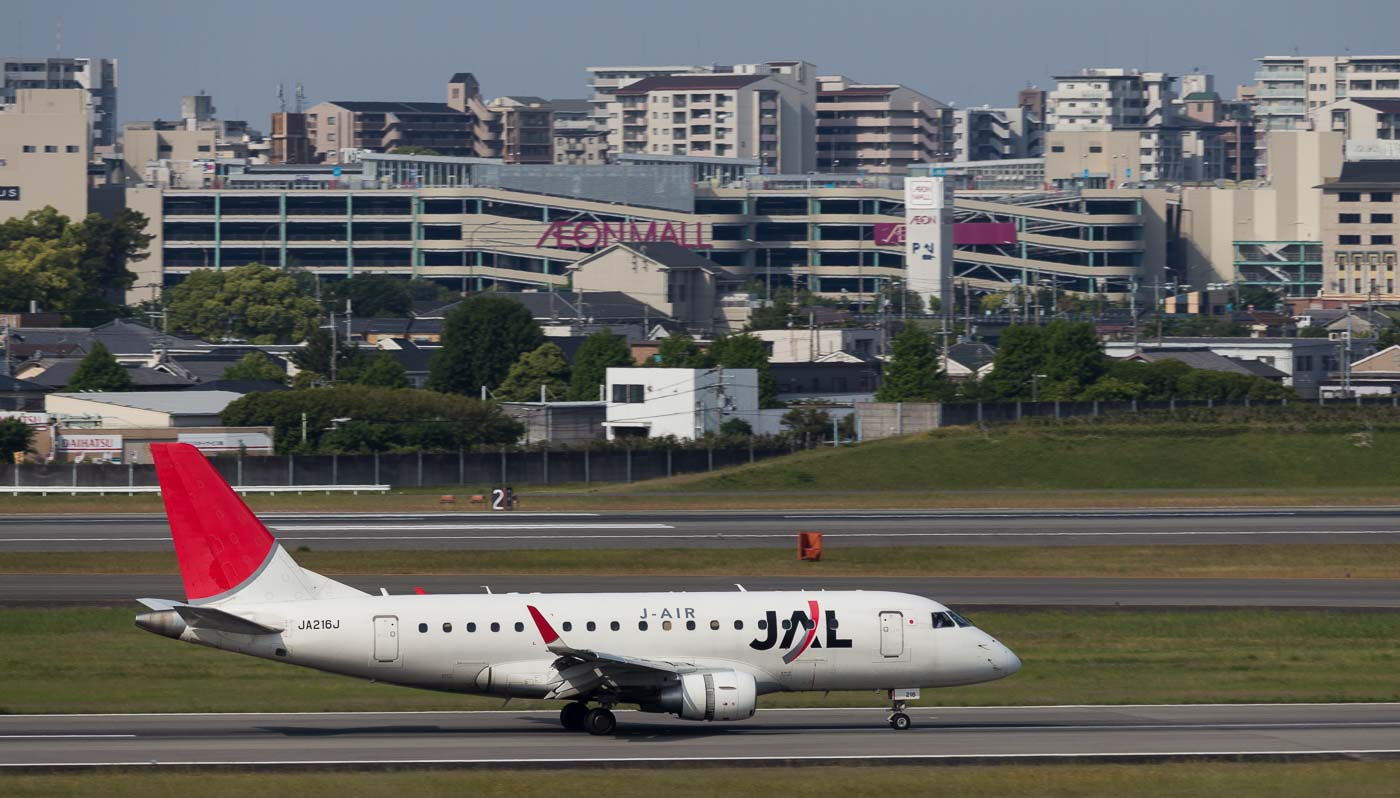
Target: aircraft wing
584,670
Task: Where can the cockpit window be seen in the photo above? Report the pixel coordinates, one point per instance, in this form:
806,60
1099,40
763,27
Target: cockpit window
948,620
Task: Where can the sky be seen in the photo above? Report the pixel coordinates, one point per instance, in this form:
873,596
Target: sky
971,52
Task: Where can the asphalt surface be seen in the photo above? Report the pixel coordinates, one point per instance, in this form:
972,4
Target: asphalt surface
961,592
744,529
814,735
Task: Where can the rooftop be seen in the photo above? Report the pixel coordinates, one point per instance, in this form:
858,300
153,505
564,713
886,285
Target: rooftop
1362,174
689,82
195,403
394,107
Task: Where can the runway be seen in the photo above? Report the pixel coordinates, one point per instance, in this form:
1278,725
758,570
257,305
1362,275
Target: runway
969,593
835,735
736,529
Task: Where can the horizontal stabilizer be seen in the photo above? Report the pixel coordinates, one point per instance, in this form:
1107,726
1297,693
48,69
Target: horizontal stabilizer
221,621
159,604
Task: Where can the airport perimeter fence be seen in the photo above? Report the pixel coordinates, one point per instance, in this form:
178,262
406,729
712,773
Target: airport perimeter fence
876,420
421,469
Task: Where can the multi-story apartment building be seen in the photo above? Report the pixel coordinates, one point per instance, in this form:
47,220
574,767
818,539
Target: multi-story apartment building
763,111
183,152
456,127
994,134
1359,120
606,111
1156,154
878,127
1101,99
96,76
1287,89
523,129
1360,231
577,139
1235,125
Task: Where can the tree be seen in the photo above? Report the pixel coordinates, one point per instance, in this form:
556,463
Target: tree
598,352
900,300
1257,296
1073,353
481,339
99,371
109,245
254,303
43,271
679,351
420,290
373,295
315,357
1390,336
736,427
1019,362
256,366
747,352
808,424
775,315
414,149
1315,331
379,419
382,371
1112,389
544,366
913,373
15,438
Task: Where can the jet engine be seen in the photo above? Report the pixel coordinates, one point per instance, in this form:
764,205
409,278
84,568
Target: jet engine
722,695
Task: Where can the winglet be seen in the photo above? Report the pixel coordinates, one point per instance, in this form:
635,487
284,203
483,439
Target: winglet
546,631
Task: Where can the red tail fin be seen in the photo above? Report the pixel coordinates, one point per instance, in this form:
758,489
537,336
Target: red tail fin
219,543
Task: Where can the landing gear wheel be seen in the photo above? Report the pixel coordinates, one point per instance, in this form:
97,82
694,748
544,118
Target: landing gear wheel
573,716
899,721
600,721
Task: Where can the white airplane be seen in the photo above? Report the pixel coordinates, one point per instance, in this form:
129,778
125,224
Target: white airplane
701,656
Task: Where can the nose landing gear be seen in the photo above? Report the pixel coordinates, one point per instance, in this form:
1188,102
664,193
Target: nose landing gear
899,721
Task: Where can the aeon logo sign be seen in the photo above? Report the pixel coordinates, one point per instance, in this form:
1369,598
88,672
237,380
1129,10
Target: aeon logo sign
809,622
595,235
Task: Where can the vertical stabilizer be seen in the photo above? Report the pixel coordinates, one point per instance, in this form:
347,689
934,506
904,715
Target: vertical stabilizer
223,549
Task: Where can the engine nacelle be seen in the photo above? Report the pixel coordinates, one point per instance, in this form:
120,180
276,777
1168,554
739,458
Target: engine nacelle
723,695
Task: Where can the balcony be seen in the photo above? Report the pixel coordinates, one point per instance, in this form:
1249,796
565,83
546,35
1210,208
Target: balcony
1292,92
1281,74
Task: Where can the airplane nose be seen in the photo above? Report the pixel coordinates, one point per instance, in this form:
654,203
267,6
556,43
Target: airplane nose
1010,663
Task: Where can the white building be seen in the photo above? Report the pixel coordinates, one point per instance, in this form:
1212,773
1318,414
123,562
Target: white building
994,134
140,409
803,345
97,77
603,83
680,403
1109,99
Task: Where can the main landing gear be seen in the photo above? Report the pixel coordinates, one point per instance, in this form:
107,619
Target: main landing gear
578,717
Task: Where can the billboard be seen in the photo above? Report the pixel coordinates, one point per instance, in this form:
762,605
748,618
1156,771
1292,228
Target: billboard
79,446
217,442
928,236
32,419
891,234
590,235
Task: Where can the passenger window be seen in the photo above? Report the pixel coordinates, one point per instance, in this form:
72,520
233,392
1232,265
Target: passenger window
615,626
690,626
519,627
740,625
422,627
568,626
642,626
447,627
762,625
495,627
787,623
471,627
714,625
592,626
665,626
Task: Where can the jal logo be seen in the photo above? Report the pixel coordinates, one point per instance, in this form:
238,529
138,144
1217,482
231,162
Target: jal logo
9,193
809,622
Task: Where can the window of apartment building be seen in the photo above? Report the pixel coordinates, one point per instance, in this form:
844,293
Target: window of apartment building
330,120
628,394
202,148
30,148
1349,218
1095,148
1382,218
1349,196
1386,239
330,137
50,148
72,148
1349,239
1382,196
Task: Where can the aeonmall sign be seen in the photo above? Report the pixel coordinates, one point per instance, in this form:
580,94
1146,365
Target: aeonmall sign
596,235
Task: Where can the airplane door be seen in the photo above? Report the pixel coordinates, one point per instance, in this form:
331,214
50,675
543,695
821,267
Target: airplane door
386,638
891,634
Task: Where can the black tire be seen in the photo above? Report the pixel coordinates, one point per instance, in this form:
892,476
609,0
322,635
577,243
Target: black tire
573,716
600,722
900,721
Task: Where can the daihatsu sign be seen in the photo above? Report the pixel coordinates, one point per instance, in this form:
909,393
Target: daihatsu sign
596,235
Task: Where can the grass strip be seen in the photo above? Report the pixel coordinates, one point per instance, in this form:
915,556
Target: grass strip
1289,561
1240,780
94,660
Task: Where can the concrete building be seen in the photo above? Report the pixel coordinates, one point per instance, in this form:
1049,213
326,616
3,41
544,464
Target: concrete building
1305,362
523,129
803,345
879,127
1288,89
116,409
1359,232
682,403
763,111
559,423
606,109
675,281
96,77
1102,158
994,134
291,142
1360,119
45,148
577,139
1236,125
1101,99
457,127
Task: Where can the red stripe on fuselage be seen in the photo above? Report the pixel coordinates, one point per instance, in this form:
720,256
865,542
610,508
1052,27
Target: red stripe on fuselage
811,633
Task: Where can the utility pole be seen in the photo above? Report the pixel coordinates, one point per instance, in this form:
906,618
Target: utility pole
334,348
